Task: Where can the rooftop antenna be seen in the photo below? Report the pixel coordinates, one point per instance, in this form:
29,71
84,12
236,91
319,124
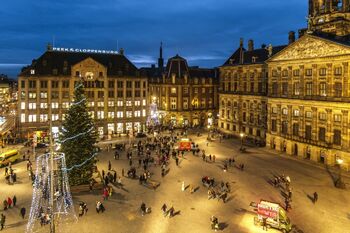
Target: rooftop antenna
53,41
117,45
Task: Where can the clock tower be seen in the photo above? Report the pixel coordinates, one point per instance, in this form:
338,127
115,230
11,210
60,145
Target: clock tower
329,16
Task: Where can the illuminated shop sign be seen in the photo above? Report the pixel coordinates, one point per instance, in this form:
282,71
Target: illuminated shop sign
84,50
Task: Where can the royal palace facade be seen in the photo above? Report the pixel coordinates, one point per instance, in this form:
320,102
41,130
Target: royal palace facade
116,93
184,95
243,92
307,96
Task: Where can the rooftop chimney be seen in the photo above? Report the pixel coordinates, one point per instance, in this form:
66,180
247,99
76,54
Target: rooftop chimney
263,46
121,51
49,47
291,37
250,45
241,43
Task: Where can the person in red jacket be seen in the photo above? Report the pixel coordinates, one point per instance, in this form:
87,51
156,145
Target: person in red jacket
9,202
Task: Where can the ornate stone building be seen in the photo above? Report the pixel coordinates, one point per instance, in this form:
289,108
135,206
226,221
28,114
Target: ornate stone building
184,96
309,92
116,93
243,93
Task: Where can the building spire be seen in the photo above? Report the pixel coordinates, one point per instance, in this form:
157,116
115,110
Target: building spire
160,59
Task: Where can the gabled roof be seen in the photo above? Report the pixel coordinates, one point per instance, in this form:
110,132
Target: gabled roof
244,57
116,64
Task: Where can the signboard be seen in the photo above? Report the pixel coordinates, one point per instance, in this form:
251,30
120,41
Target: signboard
185,144
269,211
84,50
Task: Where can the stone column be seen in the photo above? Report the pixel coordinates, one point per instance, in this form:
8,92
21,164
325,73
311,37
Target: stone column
301,122
314,124
345,126
329,131
329,79
345,79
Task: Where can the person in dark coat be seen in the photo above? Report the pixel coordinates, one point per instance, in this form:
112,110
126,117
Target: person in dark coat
23,212
14,200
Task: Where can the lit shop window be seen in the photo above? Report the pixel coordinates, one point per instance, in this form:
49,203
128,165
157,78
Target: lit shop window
144,102
92,114
144,112
65,105
119,103
100,104
137,103
54,117
23,105
43,118
137,113
110,103
110,114
128,103
91,104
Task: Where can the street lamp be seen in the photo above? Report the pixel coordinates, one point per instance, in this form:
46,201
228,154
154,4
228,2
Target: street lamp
241,135
339,183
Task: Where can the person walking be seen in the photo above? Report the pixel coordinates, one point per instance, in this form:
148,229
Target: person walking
177,161
164,209
2,221
265,223
103,174
183,186
214,158
315,197
9,202
115,177
143,209
123,172
109,165
171,212
14,200
23,212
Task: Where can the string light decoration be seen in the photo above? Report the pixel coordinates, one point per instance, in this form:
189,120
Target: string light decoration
63,209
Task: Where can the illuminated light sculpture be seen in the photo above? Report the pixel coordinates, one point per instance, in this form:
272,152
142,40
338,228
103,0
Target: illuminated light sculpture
153,117
62,207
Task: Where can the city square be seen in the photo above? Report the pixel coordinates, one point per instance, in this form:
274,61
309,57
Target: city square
252,184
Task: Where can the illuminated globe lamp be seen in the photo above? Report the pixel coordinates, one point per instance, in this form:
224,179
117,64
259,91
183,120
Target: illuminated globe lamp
242,136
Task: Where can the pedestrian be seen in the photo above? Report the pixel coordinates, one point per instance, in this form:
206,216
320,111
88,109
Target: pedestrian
207,144
6,171
264,223
315,197
177,161
123,172
5,204
14,200
140,161
203,157
103,174
109,165
98,206
143,208
23,212
214,158
183,186
210,157
191,189
2,221
164,209
81,210
171,212
130,162
91,184
115,177
9,202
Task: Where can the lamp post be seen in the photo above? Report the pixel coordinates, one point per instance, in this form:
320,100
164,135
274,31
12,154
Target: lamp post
339,183
241,135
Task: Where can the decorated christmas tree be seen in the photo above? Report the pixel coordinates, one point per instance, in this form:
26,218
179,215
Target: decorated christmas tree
78,138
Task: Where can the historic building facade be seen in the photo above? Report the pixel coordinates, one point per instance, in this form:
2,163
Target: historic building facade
243,93
309,92
183,95
116,93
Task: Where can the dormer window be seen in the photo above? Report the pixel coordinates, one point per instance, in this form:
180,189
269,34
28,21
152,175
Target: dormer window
231,61
32,71
254,59
77,74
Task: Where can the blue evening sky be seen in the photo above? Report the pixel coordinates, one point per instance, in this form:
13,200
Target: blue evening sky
205,32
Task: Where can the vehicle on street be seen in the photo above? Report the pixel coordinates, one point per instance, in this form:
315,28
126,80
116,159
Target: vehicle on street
10,156
273,215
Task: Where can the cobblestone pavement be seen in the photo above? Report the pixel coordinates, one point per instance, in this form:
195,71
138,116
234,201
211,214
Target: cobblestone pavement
330,214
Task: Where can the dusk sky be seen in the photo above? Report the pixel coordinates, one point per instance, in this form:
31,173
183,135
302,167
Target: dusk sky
205,32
